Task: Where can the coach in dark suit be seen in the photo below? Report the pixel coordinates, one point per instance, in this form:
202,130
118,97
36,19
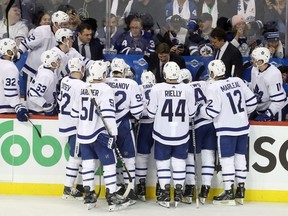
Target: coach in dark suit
156,61
86,45
227,52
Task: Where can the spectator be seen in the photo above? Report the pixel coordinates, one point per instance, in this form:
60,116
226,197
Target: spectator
274,44
40,17
156,61
284,70
85,44
17,29
251,10
133,42
211,7
121,8
227,52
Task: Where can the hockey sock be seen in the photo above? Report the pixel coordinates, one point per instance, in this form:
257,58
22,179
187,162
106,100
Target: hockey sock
240,168
130,164
228,171
190,169
141,166
208,166
179,170
163,172
72,169
88,172
79,180
109,175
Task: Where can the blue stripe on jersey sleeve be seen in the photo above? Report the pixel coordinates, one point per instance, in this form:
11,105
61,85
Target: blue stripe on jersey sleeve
133,107
252,98
171,138
30,69
64,130
108,110
84,137
106,117
5,107
232,129
279,100
136,113
276,95
11,95
151,112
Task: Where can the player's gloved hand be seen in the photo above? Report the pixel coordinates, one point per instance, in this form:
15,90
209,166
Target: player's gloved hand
107,141
22,113
267,116
49,109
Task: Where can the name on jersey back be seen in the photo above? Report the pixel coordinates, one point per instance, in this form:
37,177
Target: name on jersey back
173,93
229,86
118,85
95,92
65,87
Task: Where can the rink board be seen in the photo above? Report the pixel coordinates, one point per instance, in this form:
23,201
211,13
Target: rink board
33,166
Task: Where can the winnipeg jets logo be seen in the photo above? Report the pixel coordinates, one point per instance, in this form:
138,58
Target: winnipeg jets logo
258,94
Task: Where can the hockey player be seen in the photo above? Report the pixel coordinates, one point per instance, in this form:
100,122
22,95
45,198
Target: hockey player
266,83
41,40
171,104
128,98
229,103
9,87
205,142
97,138
144,138
41,95
69,90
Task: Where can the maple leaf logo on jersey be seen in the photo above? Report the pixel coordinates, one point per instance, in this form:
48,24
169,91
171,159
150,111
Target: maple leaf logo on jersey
258,94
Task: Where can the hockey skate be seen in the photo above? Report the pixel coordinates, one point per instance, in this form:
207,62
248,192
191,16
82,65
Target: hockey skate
177,194
158,189
116,202
240,193
204,193
164,198
80,188
188,194
141,190
131,196
71,192
90,198
225,198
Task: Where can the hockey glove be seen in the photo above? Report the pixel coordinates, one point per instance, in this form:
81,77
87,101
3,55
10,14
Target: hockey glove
107,140
267,116
22,113
49,109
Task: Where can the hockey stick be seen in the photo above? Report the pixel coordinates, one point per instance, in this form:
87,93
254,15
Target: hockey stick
117,151
195,162
11,2
34,126
199,73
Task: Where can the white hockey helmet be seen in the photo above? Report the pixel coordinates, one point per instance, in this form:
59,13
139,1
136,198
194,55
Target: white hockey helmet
260,53
185,76
59,17
171,71
50,59
76,65
119,65
147,77
7,44
63,33
216,68
97,70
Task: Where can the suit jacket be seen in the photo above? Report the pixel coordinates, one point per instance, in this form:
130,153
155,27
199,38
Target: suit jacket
154,64
96,48
232,56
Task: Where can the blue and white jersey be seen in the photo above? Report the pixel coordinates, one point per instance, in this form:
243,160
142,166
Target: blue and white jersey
39,41
229,102
69,92
200,98
268,88
171,106
9,87
128,97
89,123
145,90
188,11
41,89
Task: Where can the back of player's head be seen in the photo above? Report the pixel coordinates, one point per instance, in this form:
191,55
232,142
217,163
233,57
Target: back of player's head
171,71
76,65
185,76
118,65
50,59
129,72
260,53
147,77
216,68
59,17
63,33
7,47
98,70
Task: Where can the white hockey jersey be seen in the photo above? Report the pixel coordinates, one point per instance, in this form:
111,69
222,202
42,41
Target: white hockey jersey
41,89
17,31
69,92
229,102
41,40
9,88
145,90
200,98
128,97
171,106
89,124
268,88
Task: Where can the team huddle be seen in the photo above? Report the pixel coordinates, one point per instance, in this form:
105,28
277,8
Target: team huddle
110,117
